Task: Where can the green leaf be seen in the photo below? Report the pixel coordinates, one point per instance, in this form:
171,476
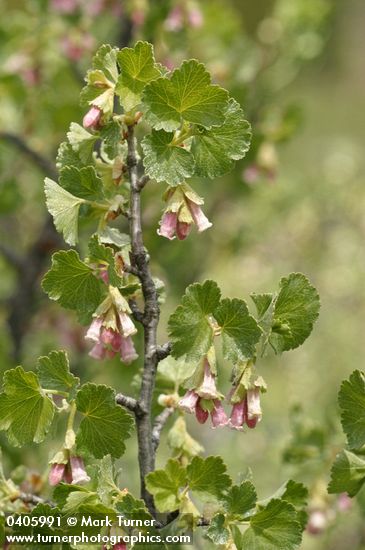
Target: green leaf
138,68
164,161
189,327
71,283
83,182
188,95
262,303
240,500
181,442
82,142
64,208
105,425
66,156
295,493
105,60
217,532
347,474
240,332
215,150
101,80
207,477
274,528
164,485
175,371
26,412
107,487
112,235
111,136
351,399
296,309
101,254
54,372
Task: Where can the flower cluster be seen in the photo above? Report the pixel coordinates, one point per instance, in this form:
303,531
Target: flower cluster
205,399
112,328
182,211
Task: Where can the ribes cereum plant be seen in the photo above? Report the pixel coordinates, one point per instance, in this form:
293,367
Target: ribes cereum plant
145,123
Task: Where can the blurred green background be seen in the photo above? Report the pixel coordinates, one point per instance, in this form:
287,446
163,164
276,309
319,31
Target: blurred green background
296,203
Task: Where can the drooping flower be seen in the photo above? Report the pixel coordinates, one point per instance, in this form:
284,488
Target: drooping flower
246,410
189,401
69,469
205,399
218,415
92,118
112,328
56,474
182,211
78,471
254,413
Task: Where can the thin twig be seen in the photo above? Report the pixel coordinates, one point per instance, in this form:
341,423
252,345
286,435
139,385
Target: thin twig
127,402
29,498
158,425
137,313
143,181
164,351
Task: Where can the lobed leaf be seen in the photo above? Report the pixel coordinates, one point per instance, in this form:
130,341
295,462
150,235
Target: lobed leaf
105,425
189,327
54,372
138,68
187,95
26,412
240,332
72,283
216,149
351,399
165,484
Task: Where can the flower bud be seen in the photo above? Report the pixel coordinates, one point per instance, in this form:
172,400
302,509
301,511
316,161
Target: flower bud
92,118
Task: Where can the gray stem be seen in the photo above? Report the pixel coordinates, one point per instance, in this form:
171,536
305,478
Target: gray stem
140,261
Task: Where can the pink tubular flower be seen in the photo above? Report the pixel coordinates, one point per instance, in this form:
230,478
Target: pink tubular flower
128,352
168,225
182,230
201,414
254,413
56,474
208,388
237,418
78,471
92,118
201,221
218,415
189,401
